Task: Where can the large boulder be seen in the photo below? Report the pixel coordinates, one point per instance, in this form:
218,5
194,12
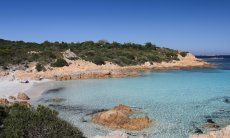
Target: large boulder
119,117
4,101
69,54
22,96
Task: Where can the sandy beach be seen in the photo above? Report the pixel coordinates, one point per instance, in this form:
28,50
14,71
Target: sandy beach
10,87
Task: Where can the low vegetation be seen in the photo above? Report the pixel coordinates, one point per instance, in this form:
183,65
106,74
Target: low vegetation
59,63
19,121
20,52
183,54
39,67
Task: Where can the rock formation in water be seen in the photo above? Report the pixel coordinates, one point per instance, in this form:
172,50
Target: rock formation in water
119,118
223,133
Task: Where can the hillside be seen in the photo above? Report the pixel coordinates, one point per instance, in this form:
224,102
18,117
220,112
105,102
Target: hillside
20,52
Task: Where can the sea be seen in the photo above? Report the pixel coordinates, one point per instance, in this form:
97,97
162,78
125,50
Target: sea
178,101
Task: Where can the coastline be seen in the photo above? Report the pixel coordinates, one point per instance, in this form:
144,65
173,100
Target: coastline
80,69
86,70
11,82
10,87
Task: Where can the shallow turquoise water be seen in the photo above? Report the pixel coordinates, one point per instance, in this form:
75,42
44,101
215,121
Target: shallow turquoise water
178,101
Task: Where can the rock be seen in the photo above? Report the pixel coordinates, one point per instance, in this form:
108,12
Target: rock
55,90
12,98
226,100
198,131
40,78
26,81
123,108
223,133
69,54
119,117
114,134
4,101
210,121
22,96
58,100
212,126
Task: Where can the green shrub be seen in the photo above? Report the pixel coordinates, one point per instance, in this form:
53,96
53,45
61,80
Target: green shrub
60,63
39,67
98,60
183,54
41,122
16,52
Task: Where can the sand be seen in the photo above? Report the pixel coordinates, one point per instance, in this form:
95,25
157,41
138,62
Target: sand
9,87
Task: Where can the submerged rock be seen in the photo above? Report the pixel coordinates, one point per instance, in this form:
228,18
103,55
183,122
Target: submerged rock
226,100
210,121
56,90
22,96
114,134
211,126
223,133
198,131
119,117
57,100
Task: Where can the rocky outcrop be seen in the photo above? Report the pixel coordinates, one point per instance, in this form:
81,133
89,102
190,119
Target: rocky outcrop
4,101
97,74
21,99
69,54
119,118
223,133
22,96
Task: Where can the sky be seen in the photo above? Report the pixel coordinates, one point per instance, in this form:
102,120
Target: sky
198,26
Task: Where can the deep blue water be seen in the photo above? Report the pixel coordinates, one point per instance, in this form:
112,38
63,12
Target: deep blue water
178,101
223,62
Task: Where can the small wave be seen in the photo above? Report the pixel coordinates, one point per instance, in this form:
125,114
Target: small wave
216,58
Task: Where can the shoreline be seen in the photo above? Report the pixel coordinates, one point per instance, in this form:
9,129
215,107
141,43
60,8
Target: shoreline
13,87
104,71
11,82
80,69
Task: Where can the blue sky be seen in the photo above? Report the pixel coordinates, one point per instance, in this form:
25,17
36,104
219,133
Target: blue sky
199,26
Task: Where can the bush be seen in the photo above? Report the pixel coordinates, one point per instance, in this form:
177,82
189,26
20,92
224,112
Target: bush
98,60
16,52
60,63
40,67
183,54
41,122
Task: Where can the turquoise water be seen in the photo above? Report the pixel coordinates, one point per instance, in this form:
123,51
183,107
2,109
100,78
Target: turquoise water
177,101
